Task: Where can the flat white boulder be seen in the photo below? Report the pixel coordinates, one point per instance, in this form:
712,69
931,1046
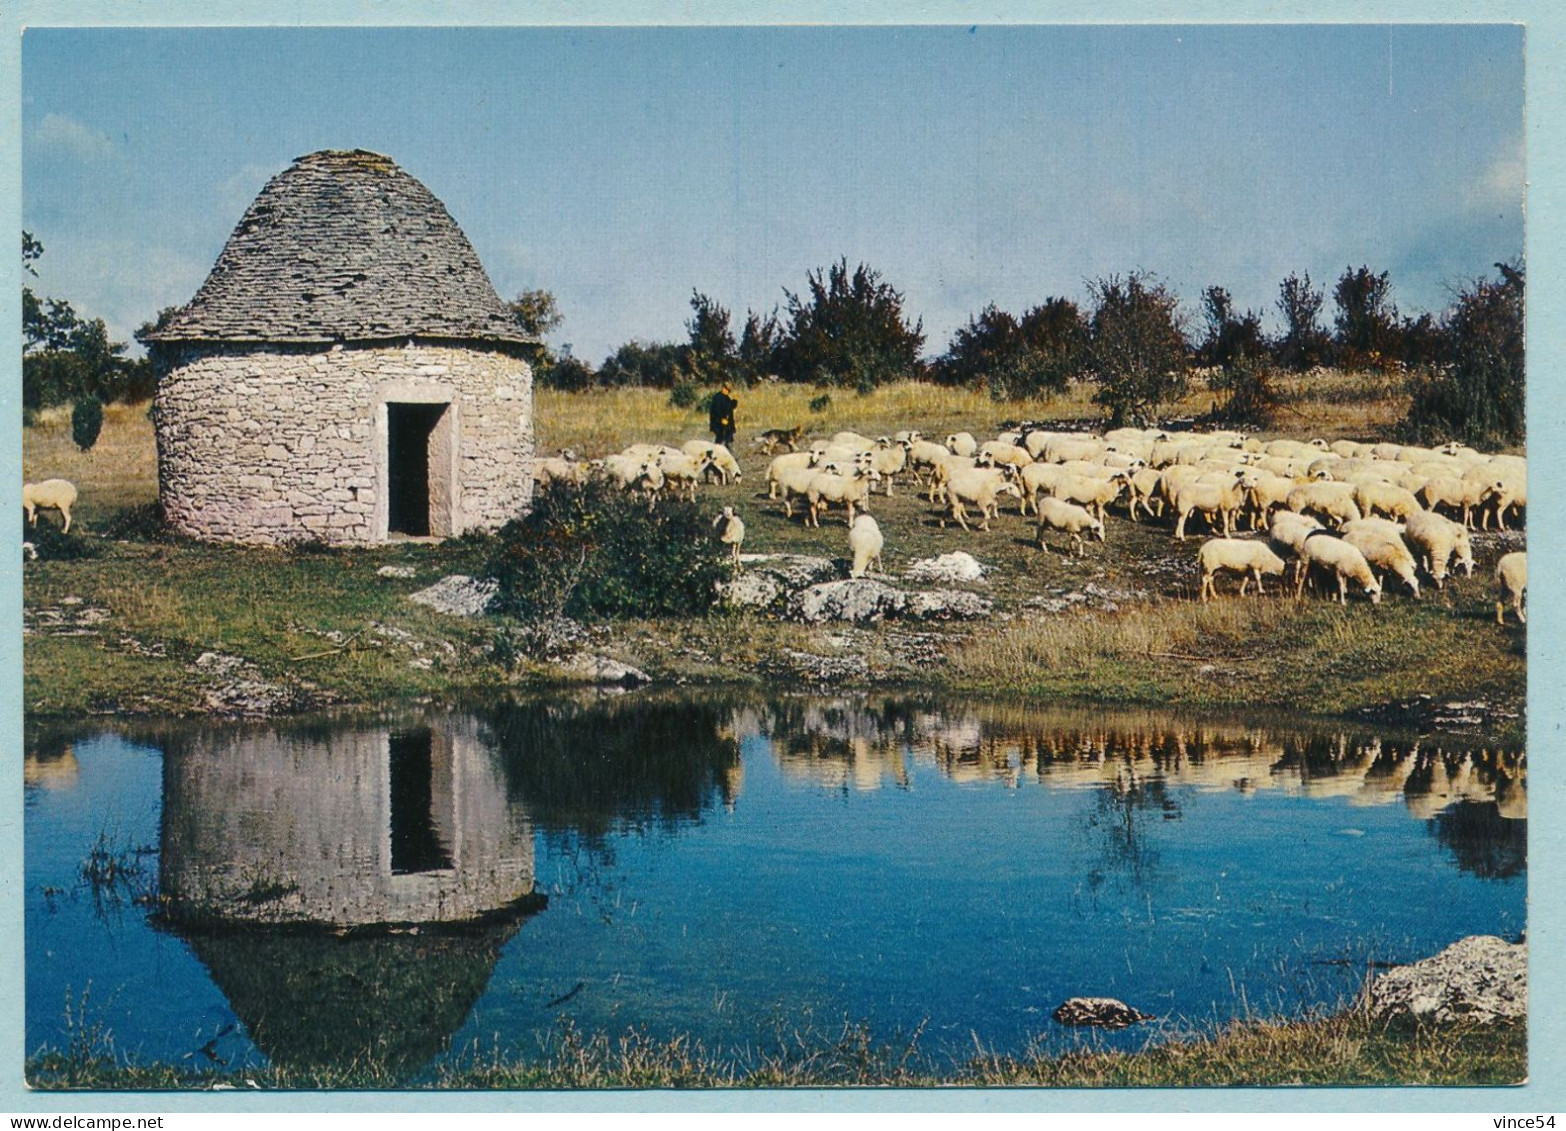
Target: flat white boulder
1478,980
948,569
458,595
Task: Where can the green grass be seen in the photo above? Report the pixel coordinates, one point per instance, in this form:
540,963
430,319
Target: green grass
1342,1050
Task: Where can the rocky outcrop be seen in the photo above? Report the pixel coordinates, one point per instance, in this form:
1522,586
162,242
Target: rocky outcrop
859,600
1479,980
946,604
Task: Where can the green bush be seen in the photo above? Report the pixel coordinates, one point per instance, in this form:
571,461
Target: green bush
591,552
821,403
683,395
86,422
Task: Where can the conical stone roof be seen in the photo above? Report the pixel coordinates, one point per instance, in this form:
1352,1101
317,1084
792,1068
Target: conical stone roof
343,246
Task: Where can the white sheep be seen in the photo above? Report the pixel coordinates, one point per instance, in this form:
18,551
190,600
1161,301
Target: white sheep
1094,494
865,543
1334,502
1439,540
1459,495
889,457
632,475
1249,559
1057,514
962,444
981,486
788,462
1385,498
1218,502
51,494
731,532
683,472
829,489
723,461
1511,574
557,468
1344,561
1385,553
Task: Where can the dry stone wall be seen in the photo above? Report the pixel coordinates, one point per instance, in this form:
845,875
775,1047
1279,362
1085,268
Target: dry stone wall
275,444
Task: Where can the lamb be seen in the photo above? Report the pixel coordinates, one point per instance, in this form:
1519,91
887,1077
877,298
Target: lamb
1511,574
865,543
1344,561
1247,558
723,461
1439,540
1385,553
828,489
51,494
1218,502
981,486
1332,501
1057,514
731,532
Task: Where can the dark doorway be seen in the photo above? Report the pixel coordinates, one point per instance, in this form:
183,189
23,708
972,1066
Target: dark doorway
408,429
415,841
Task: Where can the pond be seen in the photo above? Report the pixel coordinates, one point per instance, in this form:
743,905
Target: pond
419,888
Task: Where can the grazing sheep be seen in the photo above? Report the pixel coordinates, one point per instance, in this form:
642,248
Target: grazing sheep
1264,493
925,455
723,461
1218,503
633,475
865,542
853,440
1384,498
1386,553
683,472
552,468
791,461
731,532
1037,478
51,494
1290,529
1333,502
981,486
1459,495
1142,491
1511,574
1057,514
1344,561
962,444
830,489
1006,453
1439,540
1247,558
1095,494
889,457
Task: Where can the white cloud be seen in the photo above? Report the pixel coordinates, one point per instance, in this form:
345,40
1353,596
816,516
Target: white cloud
58,133
1503,179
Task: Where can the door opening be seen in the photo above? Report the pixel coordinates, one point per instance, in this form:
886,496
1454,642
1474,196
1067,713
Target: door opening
411,488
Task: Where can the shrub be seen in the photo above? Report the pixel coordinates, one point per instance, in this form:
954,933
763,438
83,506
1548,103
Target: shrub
1136,347
1251,399
86,422
591,552
1477,396
683,395
140,523
821,403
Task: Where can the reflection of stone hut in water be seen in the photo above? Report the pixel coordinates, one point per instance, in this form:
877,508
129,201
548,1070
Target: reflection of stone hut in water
347,371
349,891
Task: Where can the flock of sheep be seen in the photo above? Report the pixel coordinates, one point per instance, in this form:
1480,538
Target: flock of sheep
1346,514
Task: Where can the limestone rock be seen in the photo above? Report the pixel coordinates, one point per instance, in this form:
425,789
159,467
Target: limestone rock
792,570
947,604
402,572
1478,980
457,595
602,669
1105,1012
753,590
948,569
860,600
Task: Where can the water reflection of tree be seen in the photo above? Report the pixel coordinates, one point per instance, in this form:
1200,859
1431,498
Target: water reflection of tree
1481,840
1118,824
588,769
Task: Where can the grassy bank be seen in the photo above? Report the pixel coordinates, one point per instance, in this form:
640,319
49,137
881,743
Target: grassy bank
126,630
1341,1050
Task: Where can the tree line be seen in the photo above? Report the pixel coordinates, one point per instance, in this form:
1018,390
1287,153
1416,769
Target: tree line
1132,342
847,328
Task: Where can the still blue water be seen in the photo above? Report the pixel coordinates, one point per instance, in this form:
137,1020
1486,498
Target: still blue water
737,872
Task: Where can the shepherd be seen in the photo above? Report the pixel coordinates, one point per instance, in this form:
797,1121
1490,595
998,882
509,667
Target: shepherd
720,418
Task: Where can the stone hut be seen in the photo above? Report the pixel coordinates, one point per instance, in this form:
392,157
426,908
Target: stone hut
346,373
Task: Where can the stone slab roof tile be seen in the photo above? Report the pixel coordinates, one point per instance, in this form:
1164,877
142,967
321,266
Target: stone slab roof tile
345,246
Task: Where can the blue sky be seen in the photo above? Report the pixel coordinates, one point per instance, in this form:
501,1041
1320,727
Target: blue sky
623,168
